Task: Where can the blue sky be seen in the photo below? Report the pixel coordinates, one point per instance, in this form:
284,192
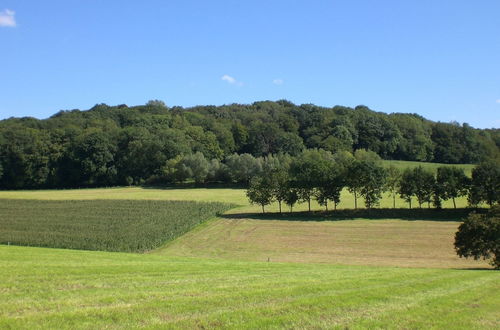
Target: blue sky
440,59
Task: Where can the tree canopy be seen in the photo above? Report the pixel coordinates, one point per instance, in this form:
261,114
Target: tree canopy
116,145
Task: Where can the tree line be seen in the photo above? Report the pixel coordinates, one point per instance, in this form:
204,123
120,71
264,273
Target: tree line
120,145
320,175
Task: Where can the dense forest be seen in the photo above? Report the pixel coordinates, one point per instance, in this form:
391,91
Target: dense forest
119,145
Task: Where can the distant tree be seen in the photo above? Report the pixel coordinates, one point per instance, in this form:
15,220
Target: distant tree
485,183
374,180
331,188
243,167
308,171
451,183
218,172
479,237
175,171
197,166
240,135
291,197
355,179
424,184
367,156
156,103
393,182
93,158
367,179
260,191
407,186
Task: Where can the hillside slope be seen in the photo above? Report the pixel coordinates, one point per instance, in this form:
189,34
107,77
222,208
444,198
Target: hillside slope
67,289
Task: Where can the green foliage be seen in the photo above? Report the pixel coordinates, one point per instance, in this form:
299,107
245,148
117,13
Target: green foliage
308,171
260,191
479,237
451,183
243,167
393,182
367,179
424,185
107,225
116,145
485,183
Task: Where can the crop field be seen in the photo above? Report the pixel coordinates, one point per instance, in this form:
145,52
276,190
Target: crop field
68,289
117,225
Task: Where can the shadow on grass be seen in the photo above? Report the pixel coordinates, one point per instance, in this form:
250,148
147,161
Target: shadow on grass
485,268
369,214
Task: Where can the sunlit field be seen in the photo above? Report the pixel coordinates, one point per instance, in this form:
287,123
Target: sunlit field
69,289
234,196
348,269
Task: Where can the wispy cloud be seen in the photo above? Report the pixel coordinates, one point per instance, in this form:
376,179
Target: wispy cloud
7,18
231,80
498,101
278,81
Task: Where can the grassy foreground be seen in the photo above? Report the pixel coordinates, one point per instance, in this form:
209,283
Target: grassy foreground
67,289
105,225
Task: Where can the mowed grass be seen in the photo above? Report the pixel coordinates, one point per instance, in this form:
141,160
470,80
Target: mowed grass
399,243
402,164
106,225
69,289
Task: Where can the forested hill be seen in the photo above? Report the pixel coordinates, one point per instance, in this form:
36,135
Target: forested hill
122,142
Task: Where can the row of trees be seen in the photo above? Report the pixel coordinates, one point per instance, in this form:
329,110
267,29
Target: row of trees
120,145
321,175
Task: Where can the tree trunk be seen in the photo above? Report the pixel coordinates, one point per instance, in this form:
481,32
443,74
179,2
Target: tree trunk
409,201
279,202
335,206
263,209
393,201
309,203
326,205
454,204
355,200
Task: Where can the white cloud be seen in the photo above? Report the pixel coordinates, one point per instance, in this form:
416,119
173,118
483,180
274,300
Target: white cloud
7,18
498,101
278,81
231,80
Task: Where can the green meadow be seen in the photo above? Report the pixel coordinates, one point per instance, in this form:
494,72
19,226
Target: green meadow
70,289
199,268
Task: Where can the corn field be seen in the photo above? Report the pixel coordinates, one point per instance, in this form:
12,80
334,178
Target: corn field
105,225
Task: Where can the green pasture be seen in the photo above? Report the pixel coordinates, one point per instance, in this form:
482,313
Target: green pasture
394,269
403,164
69,289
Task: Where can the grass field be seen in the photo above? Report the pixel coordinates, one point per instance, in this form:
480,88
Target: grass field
401,164
68,289
399,243
325,270
113,225
234,196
